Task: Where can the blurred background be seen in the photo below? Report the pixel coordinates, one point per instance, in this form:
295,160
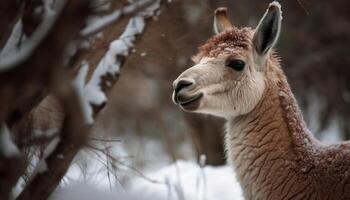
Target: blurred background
152,132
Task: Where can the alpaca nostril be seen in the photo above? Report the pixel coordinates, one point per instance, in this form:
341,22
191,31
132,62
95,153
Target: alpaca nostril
182,84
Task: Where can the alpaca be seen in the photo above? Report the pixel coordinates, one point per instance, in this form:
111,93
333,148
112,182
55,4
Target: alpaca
237,76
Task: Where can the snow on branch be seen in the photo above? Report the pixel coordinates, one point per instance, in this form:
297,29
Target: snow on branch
41,166
93,95
107,70
7,147
27,74
9,11
20,55
107,20
79,84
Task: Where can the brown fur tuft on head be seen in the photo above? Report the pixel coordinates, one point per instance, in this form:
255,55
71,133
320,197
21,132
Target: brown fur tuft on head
230,39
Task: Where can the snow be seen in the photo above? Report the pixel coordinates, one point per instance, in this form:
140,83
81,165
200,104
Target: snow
42,165
88,176
17,56
331,134
189,182
38,133
15,37
83,191
92,93
202,160
7,147
97,23
48,10
51,147
211,183
79,85
101,5
18,188
110,63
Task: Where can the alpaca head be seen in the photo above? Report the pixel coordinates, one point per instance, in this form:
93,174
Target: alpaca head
229,75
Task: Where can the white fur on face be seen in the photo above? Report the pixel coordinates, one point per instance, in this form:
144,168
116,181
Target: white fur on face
226,92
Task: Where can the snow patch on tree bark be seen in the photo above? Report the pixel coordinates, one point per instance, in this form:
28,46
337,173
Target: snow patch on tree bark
7,147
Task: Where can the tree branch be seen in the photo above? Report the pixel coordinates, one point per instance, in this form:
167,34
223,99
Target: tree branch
72,137
11,165
32,77
107,20
75,131
32,69
9,12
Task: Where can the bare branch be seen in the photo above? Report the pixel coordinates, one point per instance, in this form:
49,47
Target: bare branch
72,138
303,6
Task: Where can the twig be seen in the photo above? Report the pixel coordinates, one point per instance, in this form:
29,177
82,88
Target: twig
110,157
72,138
303,6
138,172
98,158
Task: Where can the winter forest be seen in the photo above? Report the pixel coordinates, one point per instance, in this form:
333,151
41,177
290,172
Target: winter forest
174,99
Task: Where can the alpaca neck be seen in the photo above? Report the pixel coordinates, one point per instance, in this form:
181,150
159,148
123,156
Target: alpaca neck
268,145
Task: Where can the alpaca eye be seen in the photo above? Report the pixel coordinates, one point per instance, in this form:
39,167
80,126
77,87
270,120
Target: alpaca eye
237,65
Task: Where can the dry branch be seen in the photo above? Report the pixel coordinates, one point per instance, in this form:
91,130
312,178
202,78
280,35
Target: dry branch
72,137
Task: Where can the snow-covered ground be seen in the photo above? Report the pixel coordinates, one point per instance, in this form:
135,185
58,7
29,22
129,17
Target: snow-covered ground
184,180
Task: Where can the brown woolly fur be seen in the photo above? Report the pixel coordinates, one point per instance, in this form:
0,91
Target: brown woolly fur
230,39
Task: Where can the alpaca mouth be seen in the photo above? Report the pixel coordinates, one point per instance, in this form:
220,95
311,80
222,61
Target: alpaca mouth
191,103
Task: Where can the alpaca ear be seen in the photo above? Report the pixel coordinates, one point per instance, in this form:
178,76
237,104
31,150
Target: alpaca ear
267,32
221,21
